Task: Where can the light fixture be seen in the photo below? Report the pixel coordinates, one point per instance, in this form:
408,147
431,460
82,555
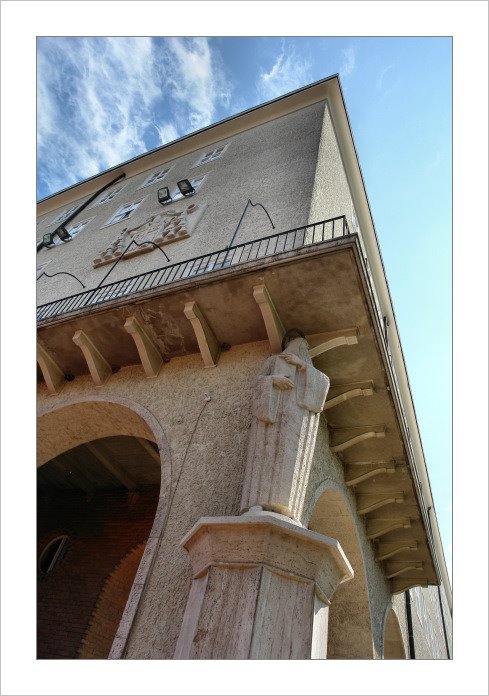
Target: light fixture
185,187
164,195
63,234
47,239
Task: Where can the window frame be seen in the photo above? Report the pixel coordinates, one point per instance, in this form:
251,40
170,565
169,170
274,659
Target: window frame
222,149
83,223
105,198
176,195
146,182
136,205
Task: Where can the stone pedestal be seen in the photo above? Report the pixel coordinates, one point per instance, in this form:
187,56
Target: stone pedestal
261,587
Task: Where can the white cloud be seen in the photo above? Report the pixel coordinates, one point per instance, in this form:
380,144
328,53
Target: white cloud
100,100
349,62
196,80
384,72
288,72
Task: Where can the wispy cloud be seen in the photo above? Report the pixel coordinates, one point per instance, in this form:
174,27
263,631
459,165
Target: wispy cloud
348,65
98,99
289,71
196,79
380,80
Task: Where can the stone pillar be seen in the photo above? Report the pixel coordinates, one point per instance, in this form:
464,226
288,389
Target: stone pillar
261,587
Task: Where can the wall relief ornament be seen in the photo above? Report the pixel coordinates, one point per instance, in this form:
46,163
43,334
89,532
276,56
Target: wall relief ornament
163,228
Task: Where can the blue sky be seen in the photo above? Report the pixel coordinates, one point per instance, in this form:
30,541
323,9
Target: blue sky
101,101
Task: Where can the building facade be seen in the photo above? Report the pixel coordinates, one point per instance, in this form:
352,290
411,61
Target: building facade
229,464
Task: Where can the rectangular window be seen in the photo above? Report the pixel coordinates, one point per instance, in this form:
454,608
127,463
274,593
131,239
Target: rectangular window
155,177
62,216
211,155
124,212
196,183
108,196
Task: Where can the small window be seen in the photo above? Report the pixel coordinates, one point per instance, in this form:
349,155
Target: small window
196,183
108,196
155,177
211,155
64,215
53,554
123,213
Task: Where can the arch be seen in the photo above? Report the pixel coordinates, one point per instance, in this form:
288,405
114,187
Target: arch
99,636
79,420
349,623
393,645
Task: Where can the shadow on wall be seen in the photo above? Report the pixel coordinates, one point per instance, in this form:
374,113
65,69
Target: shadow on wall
349,624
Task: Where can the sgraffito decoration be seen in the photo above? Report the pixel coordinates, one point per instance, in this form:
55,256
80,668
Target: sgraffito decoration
163,228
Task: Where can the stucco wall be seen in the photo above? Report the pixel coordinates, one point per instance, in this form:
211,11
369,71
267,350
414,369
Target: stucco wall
331,195
273,164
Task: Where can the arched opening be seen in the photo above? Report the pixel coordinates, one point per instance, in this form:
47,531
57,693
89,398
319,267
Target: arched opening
100,495
393,644
349,622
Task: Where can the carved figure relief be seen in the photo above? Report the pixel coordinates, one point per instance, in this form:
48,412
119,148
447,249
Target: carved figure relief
289,395
163,228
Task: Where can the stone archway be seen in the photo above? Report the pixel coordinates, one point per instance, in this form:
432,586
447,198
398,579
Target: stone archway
393,644
76,424
349,622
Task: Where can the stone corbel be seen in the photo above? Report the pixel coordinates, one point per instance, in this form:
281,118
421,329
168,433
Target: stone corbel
347,395
346,337
208,344
358,438
149,354
403,568
402,584
257,582
52,373
356,474
273,324
378,528
98,366
368,503
389,549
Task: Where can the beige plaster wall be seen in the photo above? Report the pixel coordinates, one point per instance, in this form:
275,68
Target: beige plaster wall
429,641
273,164
331,195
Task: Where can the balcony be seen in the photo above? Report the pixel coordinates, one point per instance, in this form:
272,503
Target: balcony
316,278
233,256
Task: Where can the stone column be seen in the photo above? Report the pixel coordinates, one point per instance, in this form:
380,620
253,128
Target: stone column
259,581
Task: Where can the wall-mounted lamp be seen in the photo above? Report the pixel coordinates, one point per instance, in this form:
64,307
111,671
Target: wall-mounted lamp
48,239
164,195
62,233
185,187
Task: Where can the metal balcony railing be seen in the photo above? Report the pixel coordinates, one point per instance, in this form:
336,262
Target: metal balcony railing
233,256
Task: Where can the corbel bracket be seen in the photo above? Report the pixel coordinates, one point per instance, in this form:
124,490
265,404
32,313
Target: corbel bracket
345,396
358,438
356,475
98,366
404,569
208,344
388,550
378,528
52,373
346,337
149,354
368,503
273,324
